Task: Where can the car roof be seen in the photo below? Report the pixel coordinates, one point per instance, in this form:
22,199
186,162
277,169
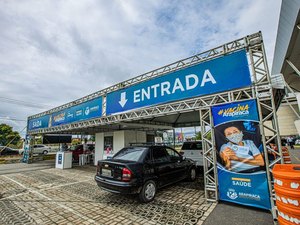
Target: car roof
146,145
5,147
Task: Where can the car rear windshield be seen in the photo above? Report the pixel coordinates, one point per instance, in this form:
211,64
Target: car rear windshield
130,154
192,146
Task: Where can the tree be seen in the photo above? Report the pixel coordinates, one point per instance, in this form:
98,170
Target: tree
8,136
198,136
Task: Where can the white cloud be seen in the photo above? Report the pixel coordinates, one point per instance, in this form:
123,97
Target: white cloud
53,52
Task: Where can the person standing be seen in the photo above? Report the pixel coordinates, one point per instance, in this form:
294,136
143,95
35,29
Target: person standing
85,146
290,142
64,147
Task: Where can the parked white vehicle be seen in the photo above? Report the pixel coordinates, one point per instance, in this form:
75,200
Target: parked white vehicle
193,150
39,149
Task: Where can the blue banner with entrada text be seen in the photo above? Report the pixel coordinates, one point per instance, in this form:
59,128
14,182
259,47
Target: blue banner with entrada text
242,174
224,73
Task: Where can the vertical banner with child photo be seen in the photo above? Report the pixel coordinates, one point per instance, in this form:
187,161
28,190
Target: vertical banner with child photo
241,164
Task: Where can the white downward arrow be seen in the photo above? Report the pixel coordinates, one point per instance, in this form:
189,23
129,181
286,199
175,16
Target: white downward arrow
123,100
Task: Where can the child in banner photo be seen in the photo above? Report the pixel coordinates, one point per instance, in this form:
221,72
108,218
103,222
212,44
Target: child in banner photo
238,153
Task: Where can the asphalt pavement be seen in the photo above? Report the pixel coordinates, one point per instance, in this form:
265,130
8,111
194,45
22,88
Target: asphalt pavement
24,167
228,214
295,155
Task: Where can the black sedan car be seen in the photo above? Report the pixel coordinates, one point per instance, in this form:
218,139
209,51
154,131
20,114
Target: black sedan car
4,151
142,170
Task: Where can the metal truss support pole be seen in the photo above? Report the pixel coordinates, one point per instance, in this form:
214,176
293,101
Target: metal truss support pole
293,66
267,112
293,98
209,155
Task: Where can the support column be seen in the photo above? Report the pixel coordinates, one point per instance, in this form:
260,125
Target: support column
119,140
209,156
99,145
298,100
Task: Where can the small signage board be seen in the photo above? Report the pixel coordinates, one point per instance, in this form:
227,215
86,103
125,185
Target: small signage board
59,160
26,152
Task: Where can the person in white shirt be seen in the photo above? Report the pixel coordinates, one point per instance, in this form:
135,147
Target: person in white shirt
240,155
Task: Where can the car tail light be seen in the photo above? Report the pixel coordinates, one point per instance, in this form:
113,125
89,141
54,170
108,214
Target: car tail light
126,174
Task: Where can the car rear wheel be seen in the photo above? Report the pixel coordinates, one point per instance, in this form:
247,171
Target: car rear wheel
148,191
192,174
45,152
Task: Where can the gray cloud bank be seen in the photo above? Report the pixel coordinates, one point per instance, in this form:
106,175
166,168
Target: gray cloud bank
53,52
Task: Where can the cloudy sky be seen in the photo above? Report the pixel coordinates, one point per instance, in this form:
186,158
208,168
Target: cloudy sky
53,52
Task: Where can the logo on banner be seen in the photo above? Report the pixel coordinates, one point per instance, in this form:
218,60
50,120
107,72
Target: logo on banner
37,123
234,111
60,117
70,115
87,111
232,194
242,182
79,112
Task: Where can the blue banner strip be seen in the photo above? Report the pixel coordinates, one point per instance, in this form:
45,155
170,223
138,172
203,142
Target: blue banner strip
217,75
38,123
84,111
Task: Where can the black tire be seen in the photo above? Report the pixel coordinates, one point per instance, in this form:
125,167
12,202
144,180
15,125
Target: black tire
147,194
45,152
192,174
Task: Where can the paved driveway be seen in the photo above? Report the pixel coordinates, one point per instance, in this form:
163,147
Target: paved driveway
53,196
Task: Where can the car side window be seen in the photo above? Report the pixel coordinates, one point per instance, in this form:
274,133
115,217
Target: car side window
199,146
160,155
148,158
174,156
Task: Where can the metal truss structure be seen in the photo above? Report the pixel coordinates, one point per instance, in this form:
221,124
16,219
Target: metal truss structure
169,108
261,90
193,60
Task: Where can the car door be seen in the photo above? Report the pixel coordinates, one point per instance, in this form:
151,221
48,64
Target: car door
178,165
9,151
162,165
36,149
4,151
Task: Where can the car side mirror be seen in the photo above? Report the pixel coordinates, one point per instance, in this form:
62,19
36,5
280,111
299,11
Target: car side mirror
182,158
